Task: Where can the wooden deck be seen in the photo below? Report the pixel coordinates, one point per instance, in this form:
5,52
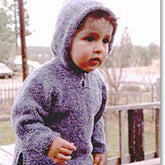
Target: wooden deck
155,161
6,154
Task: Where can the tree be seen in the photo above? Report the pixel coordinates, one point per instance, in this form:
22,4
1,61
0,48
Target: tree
11,8
113,68
6,36
125,50
154,51
141,56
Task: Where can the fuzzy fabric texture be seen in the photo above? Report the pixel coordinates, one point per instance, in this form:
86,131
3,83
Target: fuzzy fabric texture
57,100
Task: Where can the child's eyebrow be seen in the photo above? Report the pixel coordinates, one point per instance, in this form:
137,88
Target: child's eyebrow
108,36
95,34
90,33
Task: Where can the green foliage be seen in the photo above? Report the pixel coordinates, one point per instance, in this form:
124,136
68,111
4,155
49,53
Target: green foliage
9,28
141,56
13,13
121,55
154,51
6,36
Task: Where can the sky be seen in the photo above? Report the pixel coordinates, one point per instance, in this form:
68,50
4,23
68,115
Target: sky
142,17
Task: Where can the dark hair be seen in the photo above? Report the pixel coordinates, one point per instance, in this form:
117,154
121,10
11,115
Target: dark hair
97,14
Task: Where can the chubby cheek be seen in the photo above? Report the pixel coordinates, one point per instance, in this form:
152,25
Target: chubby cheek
80,59
79,54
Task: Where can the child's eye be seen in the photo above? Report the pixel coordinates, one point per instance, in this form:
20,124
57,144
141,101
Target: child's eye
105,40
90,38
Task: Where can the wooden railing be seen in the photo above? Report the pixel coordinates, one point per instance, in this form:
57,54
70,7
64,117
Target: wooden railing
135,133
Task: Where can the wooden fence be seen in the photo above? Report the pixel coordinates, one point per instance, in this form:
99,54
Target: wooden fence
135,92
135,133
8,92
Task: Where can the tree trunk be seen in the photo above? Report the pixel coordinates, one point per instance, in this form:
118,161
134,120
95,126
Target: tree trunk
23,43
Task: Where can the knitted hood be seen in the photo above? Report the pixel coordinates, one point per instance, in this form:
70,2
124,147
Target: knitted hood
68,20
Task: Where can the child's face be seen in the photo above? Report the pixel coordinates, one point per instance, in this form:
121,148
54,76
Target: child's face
90,45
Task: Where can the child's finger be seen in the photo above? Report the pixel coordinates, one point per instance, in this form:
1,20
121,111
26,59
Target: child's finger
59,162
101,162
96,160
62,157
69,145
65,151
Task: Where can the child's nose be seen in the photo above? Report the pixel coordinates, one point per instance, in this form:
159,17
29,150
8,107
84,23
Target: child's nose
98,48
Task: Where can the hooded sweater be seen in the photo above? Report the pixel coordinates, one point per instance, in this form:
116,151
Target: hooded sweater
61,100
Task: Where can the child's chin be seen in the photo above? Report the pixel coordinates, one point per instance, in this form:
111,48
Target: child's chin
91,69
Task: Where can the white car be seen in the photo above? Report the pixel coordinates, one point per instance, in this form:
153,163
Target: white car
5,72
16,64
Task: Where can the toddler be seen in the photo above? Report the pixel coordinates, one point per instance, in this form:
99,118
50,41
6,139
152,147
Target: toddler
57,115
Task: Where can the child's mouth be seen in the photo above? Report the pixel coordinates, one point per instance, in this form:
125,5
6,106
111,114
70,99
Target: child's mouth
95,61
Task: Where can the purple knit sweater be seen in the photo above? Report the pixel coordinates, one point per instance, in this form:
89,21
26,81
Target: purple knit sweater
56,100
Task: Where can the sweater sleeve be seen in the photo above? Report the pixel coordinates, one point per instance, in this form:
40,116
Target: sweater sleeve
98,137
28,115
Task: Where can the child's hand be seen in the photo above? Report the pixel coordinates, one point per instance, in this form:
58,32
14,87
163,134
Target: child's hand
98,159
60,150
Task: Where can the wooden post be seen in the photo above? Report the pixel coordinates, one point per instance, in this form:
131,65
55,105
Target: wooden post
23,44
121,136
136,131
105,128
157,128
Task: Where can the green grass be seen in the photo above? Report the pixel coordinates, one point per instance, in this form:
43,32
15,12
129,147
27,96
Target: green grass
6,133
149,131
113,133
